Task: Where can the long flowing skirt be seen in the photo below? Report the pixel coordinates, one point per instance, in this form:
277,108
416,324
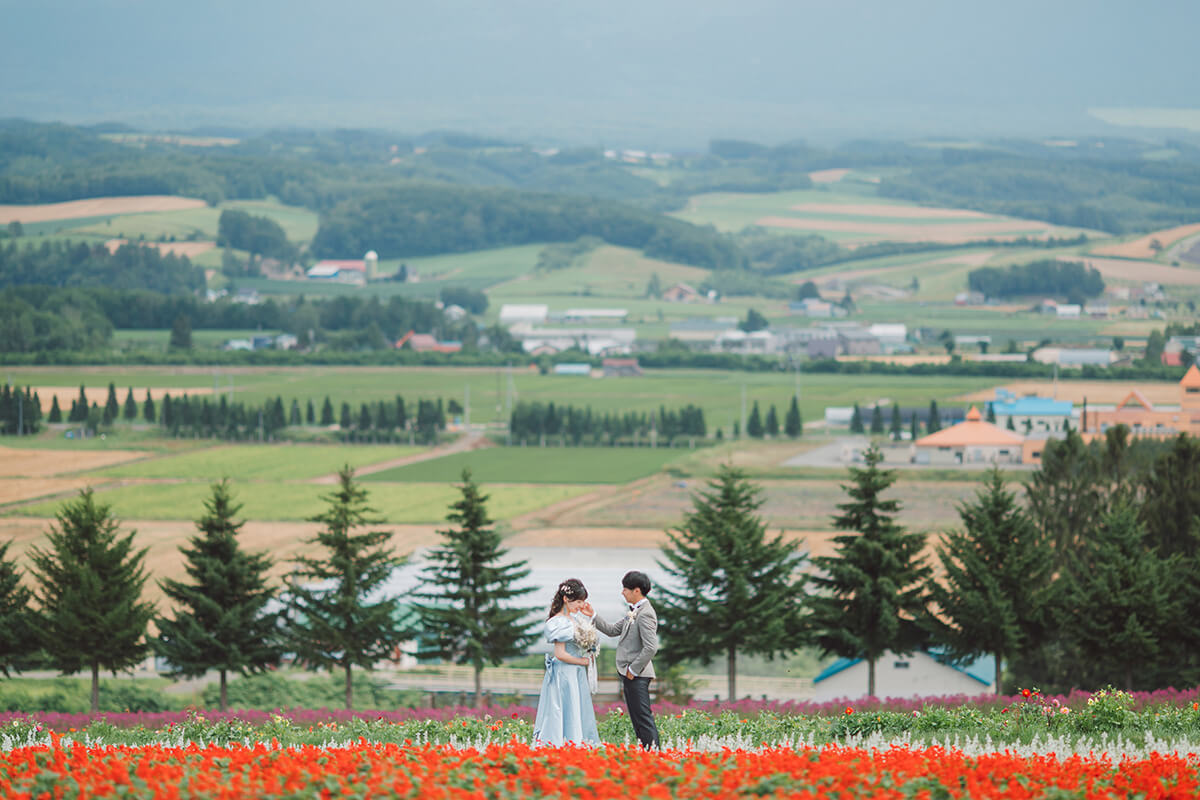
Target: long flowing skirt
565,712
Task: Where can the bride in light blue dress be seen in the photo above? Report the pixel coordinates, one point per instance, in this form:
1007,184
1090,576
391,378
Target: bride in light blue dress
564,711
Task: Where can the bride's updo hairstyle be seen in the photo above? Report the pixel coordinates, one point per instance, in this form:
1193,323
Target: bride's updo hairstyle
570,589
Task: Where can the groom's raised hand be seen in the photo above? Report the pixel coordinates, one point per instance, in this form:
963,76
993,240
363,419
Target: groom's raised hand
587,610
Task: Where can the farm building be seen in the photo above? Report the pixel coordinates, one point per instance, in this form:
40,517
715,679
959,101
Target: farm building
682,293
739,341
621,368
816,308
594,341
971,441
858,342
578,370
1176,346
1074,356
1032,413
341,270
427,343
512,313
920,674
591,315
703,331
1143,418
889,333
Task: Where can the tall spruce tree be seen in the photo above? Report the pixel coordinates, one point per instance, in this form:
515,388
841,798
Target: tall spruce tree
869,596
1065,495
897,423
327,412
740,591
935,418
89,587
1120,603
856,420
772,423
149,412
55,411
997,572
1171,510
468,589
112,407
310,413
793,426
333,624
221,620
18,639
877,420
130,409
754,425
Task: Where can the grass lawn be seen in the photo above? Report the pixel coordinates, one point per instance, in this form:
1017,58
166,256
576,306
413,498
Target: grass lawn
718,392
261,461
539,465
395,502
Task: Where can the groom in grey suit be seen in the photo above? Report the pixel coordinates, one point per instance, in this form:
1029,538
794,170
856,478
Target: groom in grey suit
637,642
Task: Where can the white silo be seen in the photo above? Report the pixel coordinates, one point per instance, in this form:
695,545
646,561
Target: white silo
371,263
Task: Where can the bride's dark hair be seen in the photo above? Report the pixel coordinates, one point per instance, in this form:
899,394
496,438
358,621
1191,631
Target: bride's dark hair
570,589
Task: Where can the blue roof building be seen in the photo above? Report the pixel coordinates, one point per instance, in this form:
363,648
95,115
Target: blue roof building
1032,413
925,673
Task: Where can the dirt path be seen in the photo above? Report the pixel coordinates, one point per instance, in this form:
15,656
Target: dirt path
552,514
468,441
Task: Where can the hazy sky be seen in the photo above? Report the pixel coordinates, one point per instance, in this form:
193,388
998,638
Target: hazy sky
669,72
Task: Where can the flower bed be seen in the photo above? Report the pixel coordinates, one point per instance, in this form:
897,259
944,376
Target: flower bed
515,770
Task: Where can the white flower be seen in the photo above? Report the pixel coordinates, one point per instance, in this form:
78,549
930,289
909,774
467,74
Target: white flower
586,637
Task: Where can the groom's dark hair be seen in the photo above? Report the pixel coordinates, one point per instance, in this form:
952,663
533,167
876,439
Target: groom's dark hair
636,580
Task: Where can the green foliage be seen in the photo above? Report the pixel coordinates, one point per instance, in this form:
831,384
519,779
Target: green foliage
267,691
1171,506
221,620
793,426
17,632
468,588
1065,494
130,266
740,590
20,411
566,254
1045,277
996,574
870,593
1119,601
181,333
754,321
257,235
754,423
332,623
89,588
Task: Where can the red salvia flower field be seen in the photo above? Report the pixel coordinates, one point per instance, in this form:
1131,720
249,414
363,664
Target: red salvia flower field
515,770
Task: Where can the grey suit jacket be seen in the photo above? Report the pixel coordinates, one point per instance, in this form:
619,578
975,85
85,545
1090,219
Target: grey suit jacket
637,640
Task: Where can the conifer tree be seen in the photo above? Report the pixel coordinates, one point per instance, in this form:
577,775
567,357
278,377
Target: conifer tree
740,591
754,425
81,403
401,413
327,412
468,587
1119,602
112,408
935,418
914,427
55,411
346,422
1009,425
130,410
772,424
876,420
1171,509
856,421
991,413
1064,494
17,632
792,424
294,416
997,572
90,582
149,412
220,620
897,423
310,413
870,593
332,624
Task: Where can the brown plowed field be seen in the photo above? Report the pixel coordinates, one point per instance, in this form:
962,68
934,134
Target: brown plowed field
949,233
15,490
18,463
828,175
188,249
1141,271
97,207
283,540
1140,248
99,394
895,212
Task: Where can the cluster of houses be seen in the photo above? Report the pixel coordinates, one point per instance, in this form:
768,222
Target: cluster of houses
1023,425
279,341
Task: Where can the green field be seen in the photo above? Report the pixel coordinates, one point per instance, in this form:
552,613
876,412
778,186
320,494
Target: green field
718,392
539,465
298,224
397,503
260,462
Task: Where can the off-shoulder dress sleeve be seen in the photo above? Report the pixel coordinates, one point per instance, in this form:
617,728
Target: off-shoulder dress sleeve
559,629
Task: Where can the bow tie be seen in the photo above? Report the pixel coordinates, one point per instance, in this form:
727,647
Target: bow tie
633,608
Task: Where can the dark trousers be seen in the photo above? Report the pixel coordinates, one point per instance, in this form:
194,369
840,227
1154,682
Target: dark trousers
637,699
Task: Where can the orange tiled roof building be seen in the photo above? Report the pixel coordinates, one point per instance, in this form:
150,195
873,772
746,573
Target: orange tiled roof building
971,441
1143,418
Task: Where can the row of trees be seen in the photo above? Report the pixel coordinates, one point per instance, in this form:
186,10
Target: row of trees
20,411
130,266
896,421
578,426
1070,279
758,427
87,609
1091,581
